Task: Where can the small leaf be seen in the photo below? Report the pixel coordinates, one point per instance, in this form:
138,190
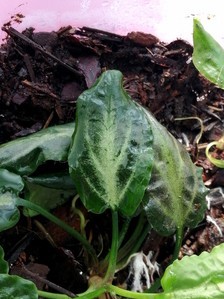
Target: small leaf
15,287
25,154
10,186
111,154
198,277
4,267
208,55
175,197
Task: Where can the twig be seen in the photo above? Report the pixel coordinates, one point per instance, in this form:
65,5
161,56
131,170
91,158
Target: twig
48,121
46,91
38,88
52,285
63,30
101,31
20,246
14,33
29,67
100,34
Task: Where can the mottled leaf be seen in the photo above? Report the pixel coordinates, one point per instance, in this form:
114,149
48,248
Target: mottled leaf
208,55
175,197
111,154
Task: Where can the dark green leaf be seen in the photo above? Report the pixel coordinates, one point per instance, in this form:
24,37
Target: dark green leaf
60,180
15,287
48,191
10,186
24,155
175,197
196,277
208,55
111,154
4,267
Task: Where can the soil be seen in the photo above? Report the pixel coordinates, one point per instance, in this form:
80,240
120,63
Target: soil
43,73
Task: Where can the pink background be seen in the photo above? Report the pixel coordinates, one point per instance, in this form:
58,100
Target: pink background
167,19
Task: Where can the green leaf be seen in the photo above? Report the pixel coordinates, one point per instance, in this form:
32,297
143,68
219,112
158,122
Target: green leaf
48,191
9,214
111,154
208,55
59,180
4,267
24,155
175,197
196,277
15,287
10,186
10,182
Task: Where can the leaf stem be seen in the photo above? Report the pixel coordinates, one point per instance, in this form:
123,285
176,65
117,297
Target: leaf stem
104,289
114,249
78,212
92,294
52,295
132,295
123,231
59,222
179,238
135,241
104,263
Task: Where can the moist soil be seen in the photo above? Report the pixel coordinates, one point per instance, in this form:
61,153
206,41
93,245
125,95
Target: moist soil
41,76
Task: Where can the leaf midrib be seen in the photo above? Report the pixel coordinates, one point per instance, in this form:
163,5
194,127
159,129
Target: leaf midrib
106,162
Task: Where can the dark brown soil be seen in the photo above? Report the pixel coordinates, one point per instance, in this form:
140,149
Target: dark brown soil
41,76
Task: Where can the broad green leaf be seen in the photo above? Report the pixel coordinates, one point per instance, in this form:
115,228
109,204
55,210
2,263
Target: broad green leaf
15,287
175,197
4,267
208,55
10,186
48,191
111,154
25,154
195,277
